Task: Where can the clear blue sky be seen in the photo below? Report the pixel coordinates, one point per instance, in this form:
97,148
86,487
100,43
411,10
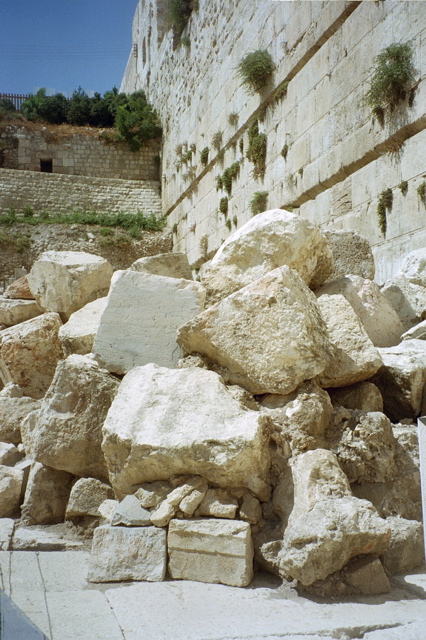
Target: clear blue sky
64,44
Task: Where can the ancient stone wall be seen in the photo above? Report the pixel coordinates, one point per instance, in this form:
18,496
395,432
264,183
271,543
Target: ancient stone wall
78,154
61,193
339,159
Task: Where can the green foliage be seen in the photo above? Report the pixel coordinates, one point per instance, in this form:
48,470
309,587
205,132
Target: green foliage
404,187
217,140
258,202
6,105
233,119
204,156
284,151
28,211
235,221
228,224
204,245
219,183
241,145
256,152
281,91
17,241
79,108
179,13
393,72
223,205
9,217
229,175
255,69
137,121
185,41
385,202
106,231
421,191
175,228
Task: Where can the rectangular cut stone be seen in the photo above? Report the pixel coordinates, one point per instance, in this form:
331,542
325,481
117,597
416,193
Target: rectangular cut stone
123,553
216,551
15,311
141,318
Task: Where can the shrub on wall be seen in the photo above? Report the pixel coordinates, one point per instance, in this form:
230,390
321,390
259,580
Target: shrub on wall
258,202
256,151
255,69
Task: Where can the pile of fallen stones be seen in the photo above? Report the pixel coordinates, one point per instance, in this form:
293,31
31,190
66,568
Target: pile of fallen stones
262,416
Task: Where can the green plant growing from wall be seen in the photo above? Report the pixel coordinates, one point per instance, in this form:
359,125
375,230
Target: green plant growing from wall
233,119
256,151
219,183
393,73
229,175
241,145
384,204
179,12
258,202
175,228
421,191
403,187
255,69
281,91
223,205
204,156
204,245
186,42
217,140
284,151
228,224
235,221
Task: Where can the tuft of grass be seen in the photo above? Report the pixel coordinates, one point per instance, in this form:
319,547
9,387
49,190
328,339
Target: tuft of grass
258,202
219,183
229,175
217,140
284,151
233,119
385,202
421,191
228,224
223,205
17,241
255,69
204,244
403,186
281,91
235,221
256,151
204,156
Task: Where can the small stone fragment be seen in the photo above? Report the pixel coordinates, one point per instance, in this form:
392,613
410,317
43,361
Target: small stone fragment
106,510
129,513
190,503
46,495
87,494
367,576
250,510
217,503
151,494
162,515
364,396
10,491
9,454
406,546
13,312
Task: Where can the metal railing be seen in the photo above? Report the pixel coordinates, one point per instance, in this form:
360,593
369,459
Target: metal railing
16,98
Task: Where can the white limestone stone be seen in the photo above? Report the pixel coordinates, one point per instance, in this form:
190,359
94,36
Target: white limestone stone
10,491
46,495
364,396
29,353
270,335
45,538
355,358
351,253
378,317
13,412
418,332
406,547
250,509
87,494
64,281
155,306
77,335
152,493
183,421
106,510
128,553
9,454
171,265
15,311
7,526
215,551
65,433
267,241
129,513
217,503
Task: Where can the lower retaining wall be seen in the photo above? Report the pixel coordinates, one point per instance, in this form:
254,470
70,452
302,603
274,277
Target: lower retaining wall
62,193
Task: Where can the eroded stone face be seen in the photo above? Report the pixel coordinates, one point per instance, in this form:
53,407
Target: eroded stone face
15,311
87,494
13,412
10,491
351,254
183,421
267,241
269,335
155,306
406,292
46,495
77,335
171,265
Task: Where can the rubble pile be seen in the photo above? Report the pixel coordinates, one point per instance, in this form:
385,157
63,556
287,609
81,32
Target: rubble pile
263,417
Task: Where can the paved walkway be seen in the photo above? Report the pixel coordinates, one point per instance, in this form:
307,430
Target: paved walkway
51,589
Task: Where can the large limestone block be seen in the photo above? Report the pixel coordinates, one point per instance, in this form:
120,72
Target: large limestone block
364,396
140,321
301,416
29,353
19,290
87,495
211,551
77,335
402,379
13,412
10,491
46,495
64,281
183,421
65,433
171,265
351,254
418,332
407,290
378,317
406,546
128,553
327,526
267,241
269,335
15,311
355,358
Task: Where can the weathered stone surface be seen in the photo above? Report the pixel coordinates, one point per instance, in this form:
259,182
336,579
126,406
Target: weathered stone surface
19,290
250,509
66,431
64,281
129,513
406,546
106,510
378,317
269,335
15,311
56,537
7,526
356,358
46,495
87,494
13,411
351,254
327,526
78,334
152,493
183,421
155,307
170,265
406,292
9,454
10,491
216,551
402,379
364,396
364,445
126,553
162,515
301,416
190,502
29,353
417,332
267,241
367,576
217,503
